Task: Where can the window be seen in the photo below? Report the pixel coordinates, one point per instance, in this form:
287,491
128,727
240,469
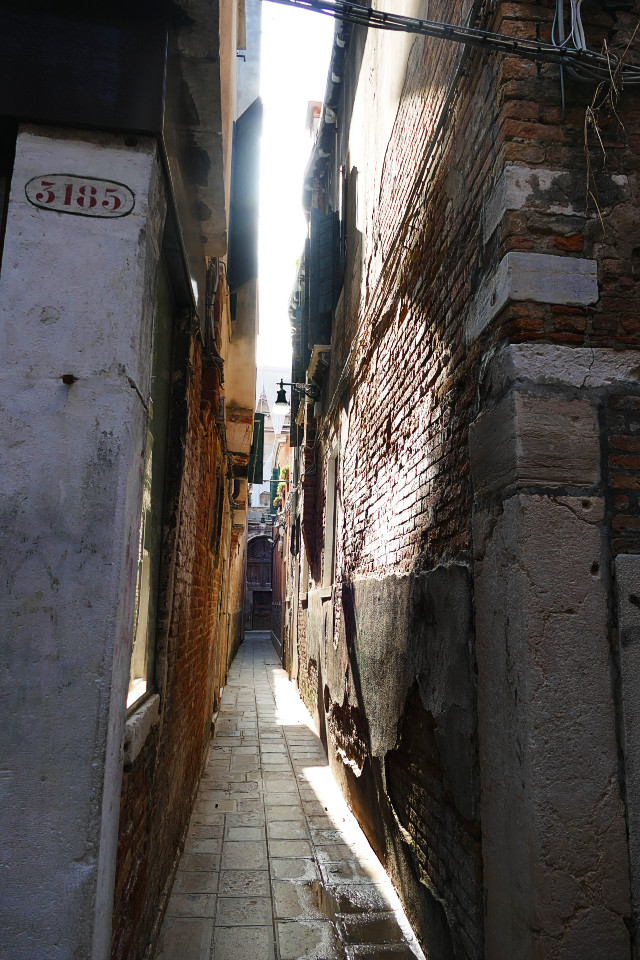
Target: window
150,538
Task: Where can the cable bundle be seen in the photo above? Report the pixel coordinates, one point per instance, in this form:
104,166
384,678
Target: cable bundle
574,38
568,51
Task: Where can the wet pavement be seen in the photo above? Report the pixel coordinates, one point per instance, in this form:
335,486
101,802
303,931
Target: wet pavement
275,866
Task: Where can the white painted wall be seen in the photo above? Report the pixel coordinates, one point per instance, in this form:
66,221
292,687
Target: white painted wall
76,297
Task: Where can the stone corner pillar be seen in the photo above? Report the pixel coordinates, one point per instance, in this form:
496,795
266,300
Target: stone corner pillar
76,316
555,858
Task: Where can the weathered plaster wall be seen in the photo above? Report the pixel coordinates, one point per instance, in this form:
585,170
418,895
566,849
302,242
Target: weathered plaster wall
76,299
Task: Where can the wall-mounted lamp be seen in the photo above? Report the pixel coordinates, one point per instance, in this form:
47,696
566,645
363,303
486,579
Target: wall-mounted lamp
310,390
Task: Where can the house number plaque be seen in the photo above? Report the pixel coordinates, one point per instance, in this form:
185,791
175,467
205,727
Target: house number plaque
82,196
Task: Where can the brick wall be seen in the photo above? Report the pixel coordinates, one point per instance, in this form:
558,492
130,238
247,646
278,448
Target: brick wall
425,242
160,785
622,432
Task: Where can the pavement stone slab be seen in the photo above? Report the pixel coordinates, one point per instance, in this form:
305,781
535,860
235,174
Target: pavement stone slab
292,869
243,943
243,883
290,848
244,911
308,940
295,901
244,833
182,938
192,905
287,830
195,881
275,866
200,862
203,845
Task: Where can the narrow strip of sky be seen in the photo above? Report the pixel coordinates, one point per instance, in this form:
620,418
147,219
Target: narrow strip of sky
296,46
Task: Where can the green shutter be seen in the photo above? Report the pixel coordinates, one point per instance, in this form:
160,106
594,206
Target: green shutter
256,456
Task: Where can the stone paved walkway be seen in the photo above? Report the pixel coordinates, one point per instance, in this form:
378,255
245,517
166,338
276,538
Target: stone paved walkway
275,866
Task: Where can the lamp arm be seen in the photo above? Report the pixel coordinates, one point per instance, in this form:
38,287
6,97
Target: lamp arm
310,390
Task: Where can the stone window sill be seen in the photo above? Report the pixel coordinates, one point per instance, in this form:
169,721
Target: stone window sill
138,727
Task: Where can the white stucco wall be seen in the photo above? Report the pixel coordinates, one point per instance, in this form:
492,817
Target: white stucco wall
76,298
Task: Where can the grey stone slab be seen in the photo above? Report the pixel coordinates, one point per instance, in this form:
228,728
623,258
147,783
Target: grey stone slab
206,831
214,806
277,811
214,769
244,765
242,796
314,808
246,818
243,943
200,862
308,940
375,929
244,855
278,787
203,845
296,901
287,830
192,905
346,871
245,833
195,881
398,951
246,805
241,776
325,835
307,794
290,848
210,794
243,911
292,869
207,819
183,938
273,777
282,799
243,883
333,852
347,898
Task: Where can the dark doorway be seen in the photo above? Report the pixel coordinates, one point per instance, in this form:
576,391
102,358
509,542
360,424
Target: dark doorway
261,619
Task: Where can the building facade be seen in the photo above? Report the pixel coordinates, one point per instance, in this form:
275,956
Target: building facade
128,317
465,513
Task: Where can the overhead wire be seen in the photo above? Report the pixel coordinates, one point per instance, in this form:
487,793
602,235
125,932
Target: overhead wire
582,63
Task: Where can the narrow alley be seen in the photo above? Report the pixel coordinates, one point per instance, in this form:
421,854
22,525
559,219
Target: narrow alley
275,865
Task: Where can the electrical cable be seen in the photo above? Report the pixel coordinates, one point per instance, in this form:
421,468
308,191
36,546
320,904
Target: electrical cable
583,64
